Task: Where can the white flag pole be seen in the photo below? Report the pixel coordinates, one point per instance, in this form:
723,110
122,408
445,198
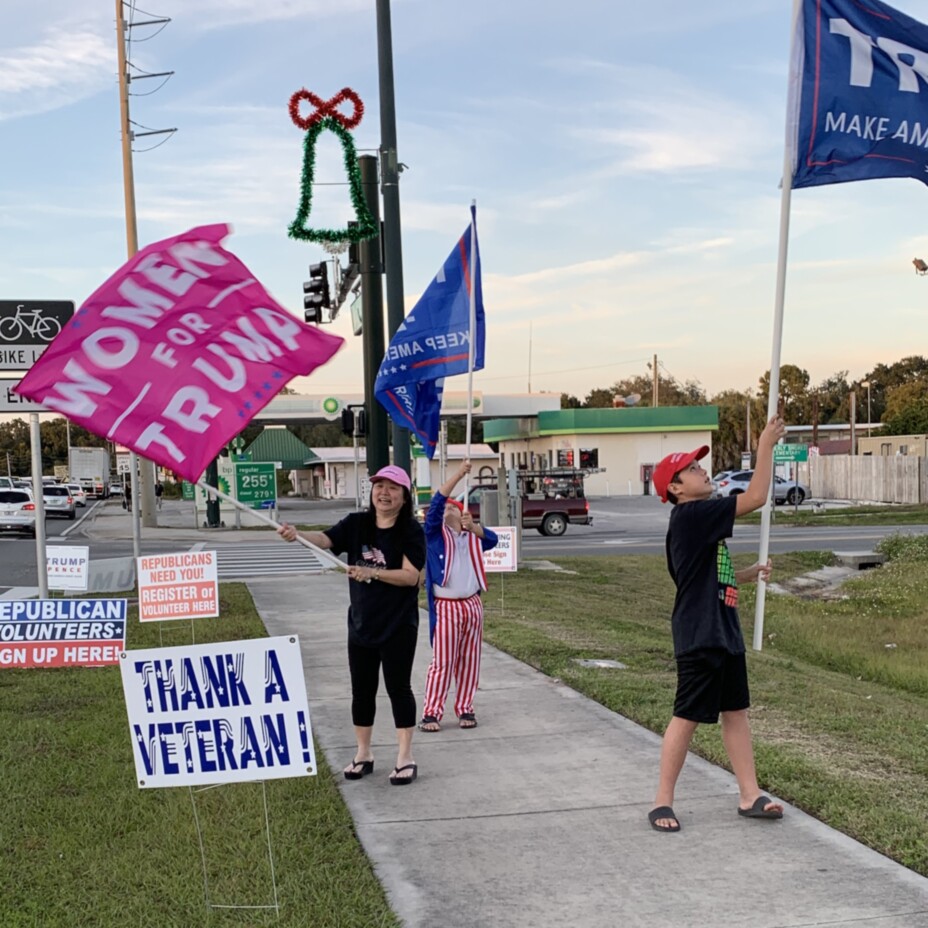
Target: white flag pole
325,556
790,153
472,325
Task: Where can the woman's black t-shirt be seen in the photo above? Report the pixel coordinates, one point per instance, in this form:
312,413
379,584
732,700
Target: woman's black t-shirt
379,610
705,613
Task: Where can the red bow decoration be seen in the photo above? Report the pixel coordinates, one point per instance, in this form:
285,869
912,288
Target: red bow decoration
326,108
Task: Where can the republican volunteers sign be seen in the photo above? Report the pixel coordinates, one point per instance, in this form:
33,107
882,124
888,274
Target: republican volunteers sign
178,586
225,712
61,632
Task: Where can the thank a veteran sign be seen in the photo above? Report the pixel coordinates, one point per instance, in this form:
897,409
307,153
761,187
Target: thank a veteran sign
226,712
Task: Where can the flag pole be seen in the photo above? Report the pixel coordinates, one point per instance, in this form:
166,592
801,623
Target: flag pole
472,326
789,153
321,553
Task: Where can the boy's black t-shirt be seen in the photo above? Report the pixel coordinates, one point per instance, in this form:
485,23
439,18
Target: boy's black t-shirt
379,610
705,613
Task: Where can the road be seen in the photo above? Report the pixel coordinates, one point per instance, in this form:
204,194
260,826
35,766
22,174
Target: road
621,525
638,525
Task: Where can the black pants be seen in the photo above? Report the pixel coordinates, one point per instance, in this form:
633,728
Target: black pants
395,655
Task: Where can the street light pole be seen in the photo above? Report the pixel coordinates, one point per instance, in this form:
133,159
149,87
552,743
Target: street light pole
866,383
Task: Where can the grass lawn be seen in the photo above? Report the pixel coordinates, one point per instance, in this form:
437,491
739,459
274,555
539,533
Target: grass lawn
852,515
83,846
840,717
840,720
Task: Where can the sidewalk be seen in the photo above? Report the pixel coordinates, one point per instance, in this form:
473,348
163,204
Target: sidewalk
537,818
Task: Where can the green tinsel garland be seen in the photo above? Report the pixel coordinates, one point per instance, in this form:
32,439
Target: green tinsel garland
365,227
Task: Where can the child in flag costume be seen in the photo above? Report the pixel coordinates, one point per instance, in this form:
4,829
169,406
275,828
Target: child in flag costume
455,577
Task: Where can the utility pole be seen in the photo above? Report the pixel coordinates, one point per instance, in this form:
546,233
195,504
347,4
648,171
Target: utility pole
132,246
655,382
853,401
143,496
378,449
389,177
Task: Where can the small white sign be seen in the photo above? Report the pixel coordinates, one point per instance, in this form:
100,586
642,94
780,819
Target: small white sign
226,712
13,402
504,557
178,586
67,568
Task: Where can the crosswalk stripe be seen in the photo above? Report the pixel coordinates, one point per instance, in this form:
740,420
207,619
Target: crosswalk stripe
239,561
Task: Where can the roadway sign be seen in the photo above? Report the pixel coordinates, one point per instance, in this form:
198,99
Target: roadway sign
27,328
13,402
783,454
256,485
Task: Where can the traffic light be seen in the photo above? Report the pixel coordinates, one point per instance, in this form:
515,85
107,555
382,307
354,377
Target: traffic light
354,417
316,295
349,275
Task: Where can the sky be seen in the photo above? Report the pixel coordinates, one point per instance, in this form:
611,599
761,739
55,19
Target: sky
625,160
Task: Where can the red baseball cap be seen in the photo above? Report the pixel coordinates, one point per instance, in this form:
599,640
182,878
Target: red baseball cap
394,473
455,502
673,464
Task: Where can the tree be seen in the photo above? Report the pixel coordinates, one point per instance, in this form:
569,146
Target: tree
885,377
669,392
907,409
569,401
323,435
731,438
833,399
794,393
457,430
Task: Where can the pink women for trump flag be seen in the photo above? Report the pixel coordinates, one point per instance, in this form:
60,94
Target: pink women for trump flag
175,353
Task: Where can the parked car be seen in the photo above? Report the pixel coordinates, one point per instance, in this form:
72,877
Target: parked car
58,501
550,501
77,491
17,512
784,491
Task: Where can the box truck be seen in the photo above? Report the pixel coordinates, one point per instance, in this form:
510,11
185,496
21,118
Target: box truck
90,468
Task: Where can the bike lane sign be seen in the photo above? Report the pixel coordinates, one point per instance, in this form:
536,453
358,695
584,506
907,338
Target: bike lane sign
27,328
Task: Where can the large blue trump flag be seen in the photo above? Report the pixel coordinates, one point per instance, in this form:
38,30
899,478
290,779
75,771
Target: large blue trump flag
443,335
862,69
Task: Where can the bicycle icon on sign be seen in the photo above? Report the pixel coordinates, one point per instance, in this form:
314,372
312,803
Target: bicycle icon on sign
31,323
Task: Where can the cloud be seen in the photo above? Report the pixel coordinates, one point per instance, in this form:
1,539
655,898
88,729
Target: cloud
55,72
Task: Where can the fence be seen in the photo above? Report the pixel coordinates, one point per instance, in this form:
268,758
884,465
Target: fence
877,478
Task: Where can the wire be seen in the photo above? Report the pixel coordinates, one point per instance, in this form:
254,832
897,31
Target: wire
168,134
569,370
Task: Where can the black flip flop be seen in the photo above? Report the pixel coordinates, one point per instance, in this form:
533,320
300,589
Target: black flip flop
367,766
429,720
468,717
663,812
404,781
758,811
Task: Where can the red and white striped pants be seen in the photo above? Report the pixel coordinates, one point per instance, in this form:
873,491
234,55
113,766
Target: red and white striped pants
455,650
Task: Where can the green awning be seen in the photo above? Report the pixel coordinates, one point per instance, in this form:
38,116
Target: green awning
281,445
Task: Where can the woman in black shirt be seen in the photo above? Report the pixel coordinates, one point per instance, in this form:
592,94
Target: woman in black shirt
386,552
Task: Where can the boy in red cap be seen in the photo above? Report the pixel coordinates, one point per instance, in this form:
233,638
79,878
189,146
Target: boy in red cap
707,641
454,577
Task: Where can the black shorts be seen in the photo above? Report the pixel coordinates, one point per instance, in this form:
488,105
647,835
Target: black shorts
709,682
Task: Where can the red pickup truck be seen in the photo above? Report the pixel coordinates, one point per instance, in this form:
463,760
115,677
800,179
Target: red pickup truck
550,500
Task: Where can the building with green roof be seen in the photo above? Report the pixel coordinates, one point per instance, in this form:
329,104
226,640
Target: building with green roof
623,444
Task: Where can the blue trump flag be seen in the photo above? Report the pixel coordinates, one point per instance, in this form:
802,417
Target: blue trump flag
862,70
434,342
